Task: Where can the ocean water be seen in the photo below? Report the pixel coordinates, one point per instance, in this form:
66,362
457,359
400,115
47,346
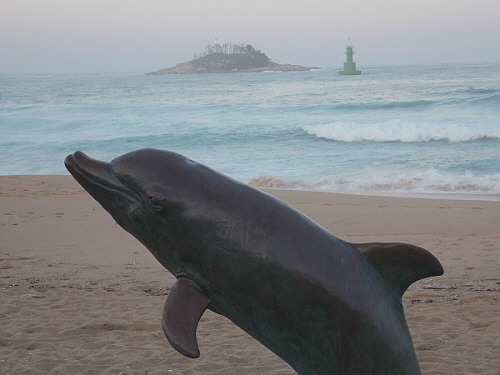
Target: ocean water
408,129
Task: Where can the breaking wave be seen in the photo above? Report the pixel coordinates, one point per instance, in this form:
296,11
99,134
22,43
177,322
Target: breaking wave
398,131
430,182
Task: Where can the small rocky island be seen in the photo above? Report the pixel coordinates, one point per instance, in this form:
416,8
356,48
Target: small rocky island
230,58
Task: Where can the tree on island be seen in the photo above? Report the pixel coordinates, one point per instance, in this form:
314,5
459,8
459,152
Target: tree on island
231,49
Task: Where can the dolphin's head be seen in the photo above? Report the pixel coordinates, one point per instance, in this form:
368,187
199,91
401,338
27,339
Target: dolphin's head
152,194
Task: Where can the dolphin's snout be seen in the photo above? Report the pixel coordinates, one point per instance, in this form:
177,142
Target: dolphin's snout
94,175
71,158
80,161
81,164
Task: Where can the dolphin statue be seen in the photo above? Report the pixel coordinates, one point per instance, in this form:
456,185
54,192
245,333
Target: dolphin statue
324,305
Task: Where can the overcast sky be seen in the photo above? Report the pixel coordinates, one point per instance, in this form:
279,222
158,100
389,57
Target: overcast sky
145,35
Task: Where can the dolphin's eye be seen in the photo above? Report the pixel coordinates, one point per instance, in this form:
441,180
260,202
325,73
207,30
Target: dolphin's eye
155,203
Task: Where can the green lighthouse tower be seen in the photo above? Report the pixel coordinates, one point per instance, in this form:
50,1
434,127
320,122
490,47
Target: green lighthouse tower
350,64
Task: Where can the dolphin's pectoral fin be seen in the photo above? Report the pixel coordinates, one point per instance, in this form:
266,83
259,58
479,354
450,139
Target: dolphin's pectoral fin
183,309
401,264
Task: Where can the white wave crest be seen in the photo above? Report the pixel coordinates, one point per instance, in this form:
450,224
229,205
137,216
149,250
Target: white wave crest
398,131
428,182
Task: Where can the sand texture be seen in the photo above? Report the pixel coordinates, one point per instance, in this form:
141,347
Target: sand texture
79,295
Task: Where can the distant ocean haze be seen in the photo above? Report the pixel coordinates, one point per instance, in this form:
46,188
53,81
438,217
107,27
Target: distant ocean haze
413,129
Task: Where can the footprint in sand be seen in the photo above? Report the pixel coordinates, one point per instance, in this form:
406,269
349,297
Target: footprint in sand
32,346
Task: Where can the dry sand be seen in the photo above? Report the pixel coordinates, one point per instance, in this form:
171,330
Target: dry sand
81,296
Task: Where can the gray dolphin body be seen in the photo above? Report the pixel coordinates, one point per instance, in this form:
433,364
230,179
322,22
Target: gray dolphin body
324,305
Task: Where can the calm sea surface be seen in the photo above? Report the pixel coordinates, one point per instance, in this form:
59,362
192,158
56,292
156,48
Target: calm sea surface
412,129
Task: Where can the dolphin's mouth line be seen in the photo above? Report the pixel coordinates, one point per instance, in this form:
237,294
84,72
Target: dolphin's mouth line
86,177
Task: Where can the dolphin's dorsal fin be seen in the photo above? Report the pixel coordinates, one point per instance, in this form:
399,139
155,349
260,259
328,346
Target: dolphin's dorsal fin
183,309
401,264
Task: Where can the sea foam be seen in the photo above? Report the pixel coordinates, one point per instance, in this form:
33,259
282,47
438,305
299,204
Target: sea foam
399,131
427,182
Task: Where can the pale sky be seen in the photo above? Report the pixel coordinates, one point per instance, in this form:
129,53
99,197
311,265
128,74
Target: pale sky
79,36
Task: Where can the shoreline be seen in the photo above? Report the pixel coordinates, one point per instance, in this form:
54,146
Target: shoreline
80,295
487,197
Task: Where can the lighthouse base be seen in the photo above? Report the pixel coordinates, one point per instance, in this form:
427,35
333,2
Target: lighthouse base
349,72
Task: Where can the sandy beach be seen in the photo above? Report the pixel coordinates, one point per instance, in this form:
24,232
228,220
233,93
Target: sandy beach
79,295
